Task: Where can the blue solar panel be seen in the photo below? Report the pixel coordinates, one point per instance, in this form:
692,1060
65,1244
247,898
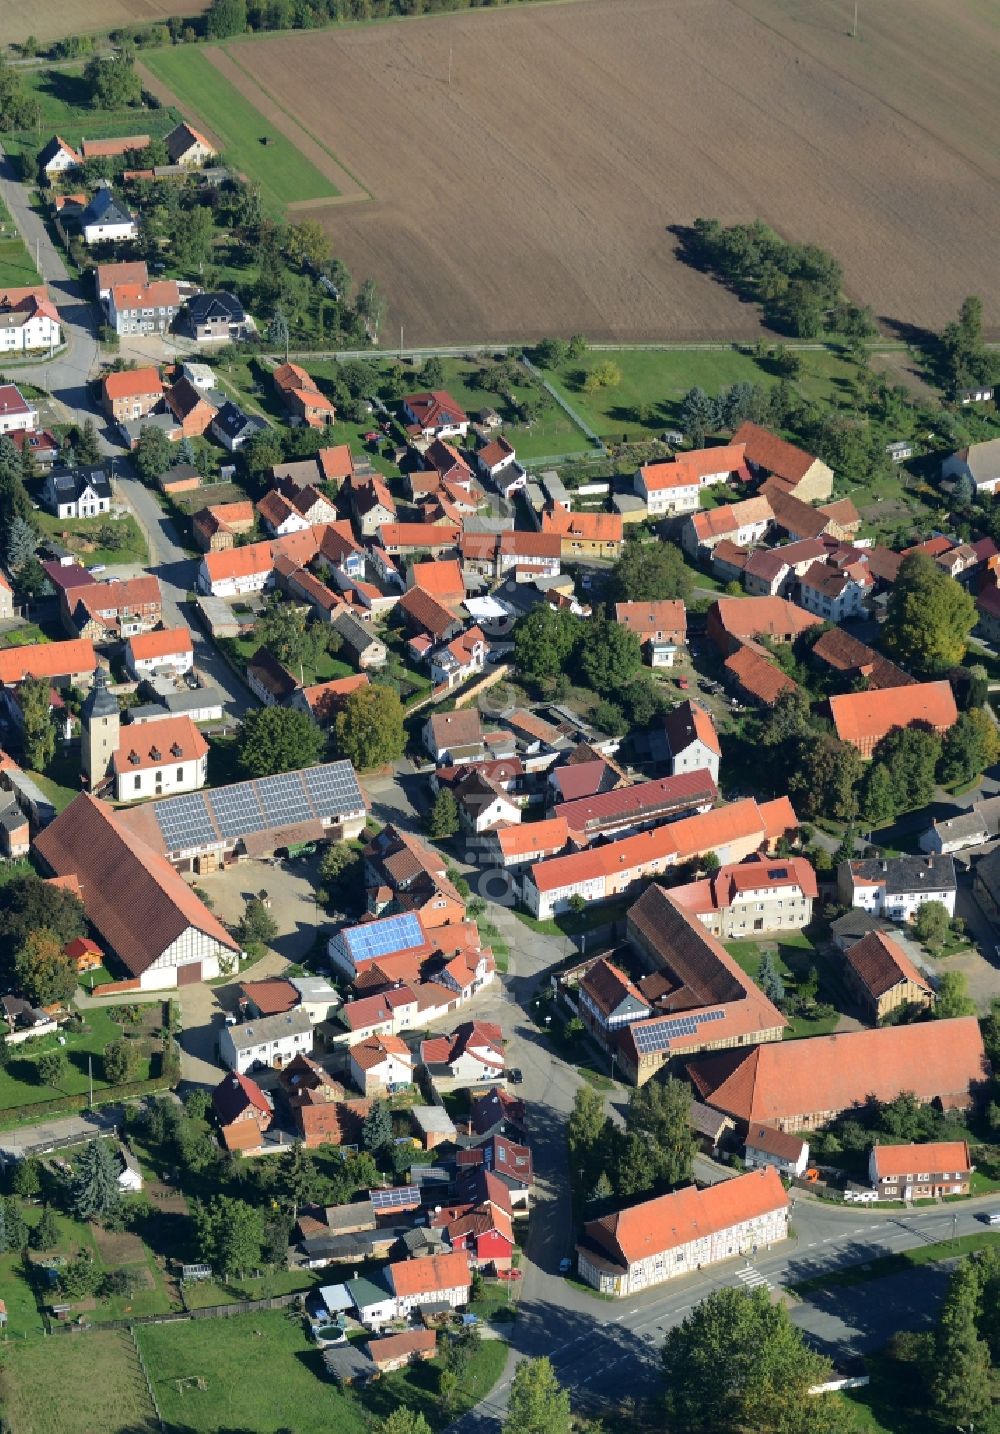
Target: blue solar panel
283,799
402,1197
380,938
237,810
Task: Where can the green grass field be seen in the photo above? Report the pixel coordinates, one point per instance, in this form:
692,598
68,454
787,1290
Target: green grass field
65,109
284,175
81,536
17,268
74,1384
659,379
20,1084
793,954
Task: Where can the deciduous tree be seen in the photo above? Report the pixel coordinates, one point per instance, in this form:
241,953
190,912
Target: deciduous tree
968,748
257,926
537,1404
230,1234
369,730
44,971
120,1060
659,1113
953,997
929,617
930,925
39,730
277,739
961,1382
650,572
442,821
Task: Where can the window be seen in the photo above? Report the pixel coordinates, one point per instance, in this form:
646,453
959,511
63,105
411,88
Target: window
137,783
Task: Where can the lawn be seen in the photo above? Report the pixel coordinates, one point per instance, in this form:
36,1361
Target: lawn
283,174
202,1294
23,636
554,433
577,923
417,1387
20,1084
76,1385
325,669
260,1373
83,537
657,380
16,267
65,109
794,953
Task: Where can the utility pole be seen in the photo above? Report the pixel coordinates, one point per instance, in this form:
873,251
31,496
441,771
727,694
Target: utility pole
854,32
451,53
90,1075
401,341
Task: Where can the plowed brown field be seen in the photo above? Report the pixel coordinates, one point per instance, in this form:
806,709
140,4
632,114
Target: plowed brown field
535,194
52,19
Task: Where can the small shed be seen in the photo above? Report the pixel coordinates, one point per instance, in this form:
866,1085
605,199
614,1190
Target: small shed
349,1364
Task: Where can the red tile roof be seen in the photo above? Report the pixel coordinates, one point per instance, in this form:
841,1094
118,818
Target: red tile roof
587,527
826,1075
647,618
442,580
271,997
47,659
749,617
766,450
880,963
167,642
670,1221
132,383
866,717
430,1274
143,747
664,794
935,1158
757,675
774,1142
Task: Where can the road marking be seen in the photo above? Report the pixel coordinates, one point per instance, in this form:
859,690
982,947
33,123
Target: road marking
753,1278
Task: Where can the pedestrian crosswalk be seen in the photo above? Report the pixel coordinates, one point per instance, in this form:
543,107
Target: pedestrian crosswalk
753,1279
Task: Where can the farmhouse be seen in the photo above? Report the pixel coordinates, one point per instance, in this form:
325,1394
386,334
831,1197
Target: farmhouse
681,1233
300,395
187,146
57,157
242,1110
864,718
675,486
768,455
805,1084
741,523
131,394
920,1172
178,941
767,1145
271,1041
661,627
735,620
64,664
105,612
433,1279
596,535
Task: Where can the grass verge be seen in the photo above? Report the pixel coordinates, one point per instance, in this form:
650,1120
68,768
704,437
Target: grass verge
895,1264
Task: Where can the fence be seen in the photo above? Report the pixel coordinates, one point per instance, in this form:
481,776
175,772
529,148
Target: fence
238,1307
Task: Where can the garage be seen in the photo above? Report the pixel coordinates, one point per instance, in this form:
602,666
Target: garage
190,974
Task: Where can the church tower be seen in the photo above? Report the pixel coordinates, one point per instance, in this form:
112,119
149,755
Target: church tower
99,726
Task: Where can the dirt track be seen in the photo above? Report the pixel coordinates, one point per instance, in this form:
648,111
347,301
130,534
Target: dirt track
535,193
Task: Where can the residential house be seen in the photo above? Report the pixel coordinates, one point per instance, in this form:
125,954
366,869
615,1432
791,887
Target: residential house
433,1279
951,834
836,591
408,540
272,1041
897,887
517,846
596,535
921,1172
360,642
675,486
661,627
215,528
269,680
188,147
28,320
459,660
851,659
434,415
740,523
148,308
234,428
42,445
290,509
270,997
106,276
58,157
864,718
448,732
679,1234
483,805
396,1351
609,1001
978,463
159,759
216,317
131,394
767,1145
469,1055
806,1084
178,941
381,1064
300,395
112,610
883,978
763,894
77,492
468,972
243,1112
325,699
372,504
106,219
692,741
236,571
528,555
497,461
768,455
16,415
193,408
406,874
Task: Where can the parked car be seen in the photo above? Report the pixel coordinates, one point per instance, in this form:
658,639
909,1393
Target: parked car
565,1265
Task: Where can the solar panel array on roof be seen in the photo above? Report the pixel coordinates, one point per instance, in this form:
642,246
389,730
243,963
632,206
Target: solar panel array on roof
381,938
656,1036
207,818
400,1198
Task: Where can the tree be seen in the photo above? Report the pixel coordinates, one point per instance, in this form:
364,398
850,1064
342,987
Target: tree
931,922
257,926
113,82
929,617
551,353
94,1189
28,902
606,374
432,373
710,862
650,572
283,628
585,1131
194,237
226,17
120,1060
610,655
961,1382
402,1421
340,870
544,640
659,1112
300,1181
443,819
27,1181
44,972
22,541
230,1234
878,796
824,777
277,739
371,307
45,1235
88,448
153,455
307,244
15,1227
769,979
968,748
376,1132
263,451
964,360
910,756
4,1053
736,1362
39,730
18,109
368,730
698,415
53,1068
953,997
537,1404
